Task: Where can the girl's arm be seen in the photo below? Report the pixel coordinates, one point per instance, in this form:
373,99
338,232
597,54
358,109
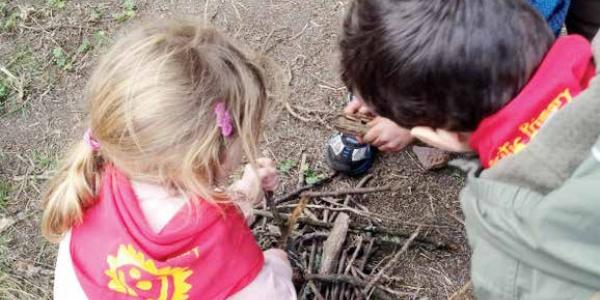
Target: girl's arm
273,282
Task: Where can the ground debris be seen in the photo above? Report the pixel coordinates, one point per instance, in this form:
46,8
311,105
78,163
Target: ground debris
335,245
431,158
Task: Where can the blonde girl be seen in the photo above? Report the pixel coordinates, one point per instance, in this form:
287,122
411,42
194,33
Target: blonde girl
137,204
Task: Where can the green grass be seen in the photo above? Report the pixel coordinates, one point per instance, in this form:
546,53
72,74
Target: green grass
57,4
84,47
5,189
127,12
21,67
61,59
43,160
286,166
311,176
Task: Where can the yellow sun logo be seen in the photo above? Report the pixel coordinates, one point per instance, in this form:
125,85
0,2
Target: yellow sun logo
131,274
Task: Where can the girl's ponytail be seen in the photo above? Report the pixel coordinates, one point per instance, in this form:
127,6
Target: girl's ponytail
71,190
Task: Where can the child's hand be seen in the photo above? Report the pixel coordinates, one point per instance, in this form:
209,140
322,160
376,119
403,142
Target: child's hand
386,135
264,177
357,106
267,172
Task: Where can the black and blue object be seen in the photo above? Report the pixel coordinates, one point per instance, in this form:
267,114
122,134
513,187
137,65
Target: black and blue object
346,155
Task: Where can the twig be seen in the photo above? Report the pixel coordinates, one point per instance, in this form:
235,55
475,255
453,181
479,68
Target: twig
337,278
392,262
294,114
279,219
292,219
375,216
355,191
293,195
360,184
461,293
354,255
363,262
361,228
316,291
301,172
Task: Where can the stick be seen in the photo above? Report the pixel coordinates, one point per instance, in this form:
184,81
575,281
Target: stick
293,195
362,228
355,191
392,262
336,278
279,220
354,254
333,245
360,184
315,290
301,173
291,221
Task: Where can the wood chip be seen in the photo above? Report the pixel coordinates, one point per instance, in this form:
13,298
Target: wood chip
352,124
431,158
333,245
6,222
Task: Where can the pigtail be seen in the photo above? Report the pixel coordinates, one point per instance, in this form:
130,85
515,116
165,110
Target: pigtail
71,190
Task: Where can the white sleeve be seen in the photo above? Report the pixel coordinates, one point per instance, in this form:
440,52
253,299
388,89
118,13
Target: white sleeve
273,282
66,284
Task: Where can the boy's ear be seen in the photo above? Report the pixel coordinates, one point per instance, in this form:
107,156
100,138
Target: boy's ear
443,139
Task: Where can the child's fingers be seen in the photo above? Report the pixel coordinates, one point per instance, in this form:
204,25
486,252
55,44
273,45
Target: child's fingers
353,106
365,110
371,135
268,178
278,253
265,162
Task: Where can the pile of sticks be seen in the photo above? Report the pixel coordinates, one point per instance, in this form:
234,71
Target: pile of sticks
332,241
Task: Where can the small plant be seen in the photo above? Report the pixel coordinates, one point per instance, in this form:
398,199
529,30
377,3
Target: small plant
43,161
96,15
127,12
5,188
10,19
100,37
286,166
56,4
84,47
4,92
61,59
311,176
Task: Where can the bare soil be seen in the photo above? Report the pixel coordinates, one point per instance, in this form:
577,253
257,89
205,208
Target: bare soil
42,113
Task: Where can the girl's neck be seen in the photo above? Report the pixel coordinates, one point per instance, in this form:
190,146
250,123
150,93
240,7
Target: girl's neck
158,204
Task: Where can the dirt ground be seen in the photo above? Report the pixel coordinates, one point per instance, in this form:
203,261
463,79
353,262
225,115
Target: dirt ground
47,50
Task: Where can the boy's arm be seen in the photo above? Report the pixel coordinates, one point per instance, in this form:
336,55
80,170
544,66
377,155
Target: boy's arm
557,233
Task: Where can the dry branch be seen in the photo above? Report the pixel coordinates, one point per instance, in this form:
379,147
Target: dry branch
355,191
420,241
355,124
392,262
337,278
333,245
295,194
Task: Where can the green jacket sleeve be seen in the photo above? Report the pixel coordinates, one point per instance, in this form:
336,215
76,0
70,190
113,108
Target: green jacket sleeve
557,233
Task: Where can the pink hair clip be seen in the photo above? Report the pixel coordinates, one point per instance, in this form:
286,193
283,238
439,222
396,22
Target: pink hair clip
223,119
90,140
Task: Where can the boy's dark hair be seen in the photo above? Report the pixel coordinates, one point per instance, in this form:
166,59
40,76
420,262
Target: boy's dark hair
441,63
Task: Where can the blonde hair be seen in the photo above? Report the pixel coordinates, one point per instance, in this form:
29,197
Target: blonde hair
151,102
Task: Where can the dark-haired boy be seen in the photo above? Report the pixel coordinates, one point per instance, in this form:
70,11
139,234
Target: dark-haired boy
486,76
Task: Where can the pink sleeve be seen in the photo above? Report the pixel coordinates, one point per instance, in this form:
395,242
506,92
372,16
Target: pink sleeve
273,282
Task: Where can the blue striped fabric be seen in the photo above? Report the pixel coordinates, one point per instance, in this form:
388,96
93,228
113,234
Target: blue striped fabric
555,12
